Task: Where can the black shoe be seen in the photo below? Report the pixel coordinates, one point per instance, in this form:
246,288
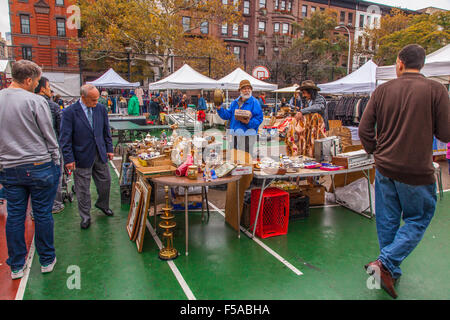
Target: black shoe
108,212
85,224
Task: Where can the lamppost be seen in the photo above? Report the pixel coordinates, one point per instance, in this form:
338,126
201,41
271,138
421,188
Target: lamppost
349,45
128,50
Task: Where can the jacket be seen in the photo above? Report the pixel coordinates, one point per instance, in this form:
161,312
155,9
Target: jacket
79,141
237,127
133,106
201,104
56,115
398,125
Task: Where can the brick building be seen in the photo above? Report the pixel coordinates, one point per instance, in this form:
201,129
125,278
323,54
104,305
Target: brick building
39,33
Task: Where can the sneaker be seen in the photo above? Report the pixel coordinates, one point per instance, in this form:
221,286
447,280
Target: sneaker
49,267
17,274
57,209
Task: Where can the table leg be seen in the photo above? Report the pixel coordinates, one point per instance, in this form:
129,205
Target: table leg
207,205
259,207
154,200
186,216
370,194
238,209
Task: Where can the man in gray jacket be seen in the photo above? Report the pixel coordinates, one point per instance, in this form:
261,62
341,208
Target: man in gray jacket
29,166
43,89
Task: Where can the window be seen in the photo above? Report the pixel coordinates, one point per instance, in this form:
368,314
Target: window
276,51
61,27
342,17
359,41
368,20
261,51
350,18
246,7
186,24
304,11
237,52
283,5
276,27
262,3
375,22
290,6
322,9
25,23
276,5
225,2
245,31
285,28
362,60
62,58
313,9
361,21
224,28
262,26
235,31
204,27
59,3
27,53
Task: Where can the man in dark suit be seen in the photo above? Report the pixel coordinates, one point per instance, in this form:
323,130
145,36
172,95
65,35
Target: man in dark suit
86,145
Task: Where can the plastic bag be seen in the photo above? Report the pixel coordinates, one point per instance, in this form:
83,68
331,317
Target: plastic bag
355,196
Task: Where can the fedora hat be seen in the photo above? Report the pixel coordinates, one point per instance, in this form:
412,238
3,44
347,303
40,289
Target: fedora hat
245,83
308,84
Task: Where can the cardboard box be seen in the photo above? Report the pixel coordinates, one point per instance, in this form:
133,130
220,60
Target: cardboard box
315,193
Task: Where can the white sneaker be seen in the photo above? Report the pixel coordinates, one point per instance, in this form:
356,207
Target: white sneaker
48,268
17,274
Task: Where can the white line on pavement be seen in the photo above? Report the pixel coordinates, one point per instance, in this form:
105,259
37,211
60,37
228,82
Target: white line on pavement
23,282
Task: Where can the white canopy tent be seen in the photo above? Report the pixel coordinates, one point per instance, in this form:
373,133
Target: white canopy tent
437,67
363,80
287,89
5,67
231,81
110,79
184,78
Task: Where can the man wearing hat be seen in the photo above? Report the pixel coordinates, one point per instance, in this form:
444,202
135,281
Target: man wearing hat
315,103
247,128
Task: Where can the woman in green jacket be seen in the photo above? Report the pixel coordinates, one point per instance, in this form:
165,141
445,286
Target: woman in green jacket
133,105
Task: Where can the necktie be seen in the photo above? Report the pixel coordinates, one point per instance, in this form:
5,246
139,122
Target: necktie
90,117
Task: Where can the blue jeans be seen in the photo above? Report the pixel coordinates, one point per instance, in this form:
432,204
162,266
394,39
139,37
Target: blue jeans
40,182
395,200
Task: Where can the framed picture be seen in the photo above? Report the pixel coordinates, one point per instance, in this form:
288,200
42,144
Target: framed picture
141,227
136,202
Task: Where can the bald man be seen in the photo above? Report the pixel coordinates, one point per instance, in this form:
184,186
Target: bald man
86,146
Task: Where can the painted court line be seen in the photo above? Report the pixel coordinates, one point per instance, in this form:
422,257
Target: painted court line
265,247
26,273
173,267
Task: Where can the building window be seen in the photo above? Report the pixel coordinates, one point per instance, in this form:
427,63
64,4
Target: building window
261,51
61,27
342,17
246,7
237,52
322,9
362,60
186,21
262,26
276,5
350,18
25,23
361,21
225,2
27,53
304,11
62,58
276,51
204,27
375,22
224,28
368,21
313,9
235,31
245,31
276,27
283,5
290,6
285,28
360,41
59,3
262,3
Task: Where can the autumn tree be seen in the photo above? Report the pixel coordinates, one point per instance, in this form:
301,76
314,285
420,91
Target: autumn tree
154,30
399,29
316,51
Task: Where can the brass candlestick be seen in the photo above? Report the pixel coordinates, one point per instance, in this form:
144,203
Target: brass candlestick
169,252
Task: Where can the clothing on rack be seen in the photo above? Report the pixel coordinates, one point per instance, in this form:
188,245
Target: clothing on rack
348,109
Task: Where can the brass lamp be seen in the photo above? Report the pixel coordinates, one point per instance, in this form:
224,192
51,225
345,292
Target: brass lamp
167,224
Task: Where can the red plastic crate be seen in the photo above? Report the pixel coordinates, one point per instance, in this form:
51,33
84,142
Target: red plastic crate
273,218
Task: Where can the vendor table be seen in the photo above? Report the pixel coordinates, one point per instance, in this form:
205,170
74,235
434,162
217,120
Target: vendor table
127,126
186,182
308,173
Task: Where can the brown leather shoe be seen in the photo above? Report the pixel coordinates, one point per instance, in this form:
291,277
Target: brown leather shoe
386,280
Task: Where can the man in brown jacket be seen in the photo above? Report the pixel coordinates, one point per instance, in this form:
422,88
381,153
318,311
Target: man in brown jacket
398,126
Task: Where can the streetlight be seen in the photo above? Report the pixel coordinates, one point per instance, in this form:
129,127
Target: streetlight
349,45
